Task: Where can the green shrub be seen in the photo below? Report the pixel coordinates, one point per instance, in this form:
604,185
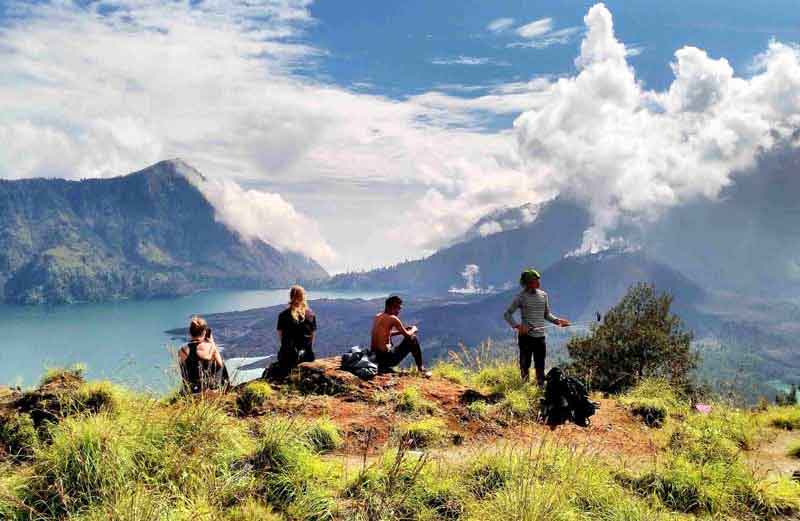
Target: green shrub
639,337
381,397
324,436
253,396
528,499
451,372
423,433
410,400
18,436
403,484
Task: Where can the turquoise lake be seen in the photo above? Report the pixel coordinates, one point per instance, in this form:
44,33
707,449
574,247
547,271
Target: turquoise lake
122,341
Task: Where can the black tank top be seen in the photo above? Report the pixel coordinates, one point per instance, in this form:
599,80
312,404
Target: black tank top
200,374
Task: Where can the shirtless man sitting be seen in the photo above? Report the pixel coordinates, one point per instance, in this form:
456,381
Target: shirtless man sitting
384,327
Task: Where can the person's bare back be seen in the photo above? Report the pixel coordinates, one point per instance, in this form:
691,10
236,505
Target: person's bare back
382,327
386,325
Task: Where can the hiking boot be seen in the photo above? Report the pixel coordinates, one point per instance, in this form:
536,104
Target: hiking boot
424,373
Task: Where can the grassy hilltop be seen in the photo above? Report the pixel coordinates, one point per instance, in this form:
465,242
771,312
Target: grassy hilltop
463,445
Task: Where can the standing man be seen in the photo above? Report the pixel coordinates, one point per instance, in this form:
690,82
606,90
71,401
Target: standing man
384,327
534,310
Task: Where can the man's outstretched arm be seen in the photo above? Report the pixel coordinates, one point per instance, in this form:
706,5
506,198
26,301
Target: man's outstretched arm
552,318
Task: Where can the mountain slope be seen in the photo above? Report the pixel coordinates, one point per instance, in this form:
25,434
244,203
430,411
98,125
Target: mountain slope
150,233
578,286
556,228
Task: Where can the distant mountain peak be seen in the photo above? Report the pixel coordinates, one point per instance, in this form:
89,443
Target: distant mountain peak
175,166
611,248
147,234
502,220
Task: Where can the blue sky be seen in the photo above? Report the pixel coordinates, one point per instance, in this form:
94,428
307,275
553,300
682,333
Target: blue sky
391,45
383,130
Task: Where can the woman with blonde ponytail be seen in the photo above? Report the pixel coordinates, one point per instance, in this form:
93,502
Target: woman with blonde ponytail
296,328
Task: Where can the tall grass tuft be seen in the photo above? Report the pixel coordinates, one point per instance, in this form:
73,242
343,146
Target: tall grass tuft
18,436
410,400
253,396
786,417
252,510
552,482
422,433
323,435
451,371
88,460
135,503
95,397
292,477
654,400
63,374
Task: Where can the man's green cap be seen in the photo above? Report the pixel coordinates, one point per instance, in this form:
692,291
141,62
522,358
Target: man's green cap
528,275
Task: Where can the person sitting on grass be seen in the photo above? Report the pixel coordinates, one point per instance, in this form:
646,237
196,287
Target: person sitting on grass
387,325
297,326
202,367
534,309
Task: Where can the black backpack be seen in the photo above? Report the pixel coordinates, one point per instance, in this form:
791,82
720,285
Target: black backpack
565,399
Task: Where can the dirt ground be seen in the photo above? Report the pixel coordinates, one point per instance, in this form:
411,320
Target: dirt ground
771,456
367,421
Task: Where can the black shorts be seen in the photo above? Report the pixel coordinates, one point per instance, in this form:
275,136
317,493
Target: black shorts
396,354
532,347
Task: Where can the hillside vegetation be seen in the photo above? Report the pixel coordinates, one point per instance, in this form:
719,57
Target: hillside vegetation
463,445
148,234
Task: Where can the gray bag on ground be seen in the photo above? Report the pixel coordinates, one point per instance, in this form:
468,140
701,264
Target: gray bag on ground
357,361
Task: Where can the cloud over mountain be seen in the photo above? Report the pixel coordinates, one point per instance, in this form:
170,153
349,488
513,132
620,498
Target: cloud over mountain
103,88
629,153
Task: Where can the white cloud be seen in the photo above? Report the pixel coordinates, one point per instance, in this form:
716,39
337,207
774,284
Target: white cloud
469,60
206,83
559,37
629,153
634,50
499,25
536,28
266,216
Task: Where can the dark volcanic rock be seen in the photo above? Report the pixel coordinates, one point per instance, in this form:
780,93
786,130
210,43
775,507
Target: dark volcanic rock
325,376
